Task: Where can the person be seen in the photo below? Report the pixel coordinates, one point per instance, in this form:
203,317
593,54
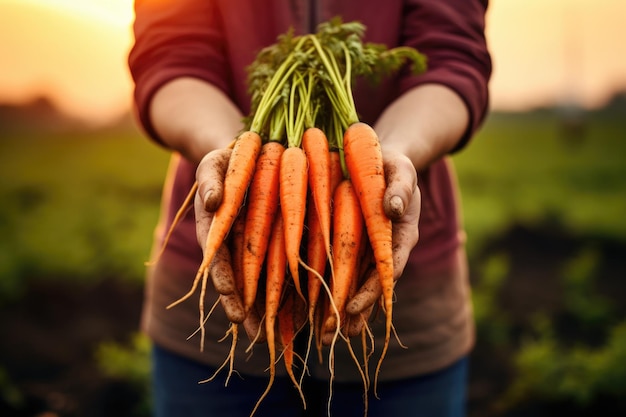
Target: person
189,64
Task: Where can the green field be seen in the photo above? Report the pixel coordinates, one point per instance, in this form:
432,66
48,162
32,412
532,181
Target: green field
522,168
78,206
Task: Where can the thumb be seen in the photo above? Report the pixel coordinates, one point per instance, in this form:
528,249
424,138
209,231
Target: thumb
401,179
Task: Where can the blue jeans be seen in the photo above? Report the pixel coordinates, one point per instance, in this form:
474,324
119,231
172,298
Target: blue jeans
177,392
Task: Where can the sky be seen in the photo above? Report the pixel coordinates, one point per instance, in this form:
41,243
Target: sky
544,52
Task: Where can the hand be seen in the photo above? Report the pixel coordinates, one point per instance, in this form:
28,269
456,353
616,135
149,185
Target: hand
402,204
210,177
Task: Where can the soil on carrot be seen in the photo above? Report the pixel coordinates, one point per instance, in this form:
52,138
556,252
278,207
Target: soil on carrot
50,335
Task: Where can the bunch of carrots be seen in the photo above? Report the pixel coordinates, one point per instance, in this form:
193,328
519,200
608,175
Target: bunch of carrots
302,210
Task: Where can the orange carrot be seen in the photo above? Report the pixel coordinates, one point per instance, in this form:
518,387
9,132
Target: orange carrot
236,253
237,238
317,251
364,161
356,321
316,262
276,264
238,176
315,145
252,320
288,328
293,198
335,177
262,206
336,174
347,234
316,258
240,171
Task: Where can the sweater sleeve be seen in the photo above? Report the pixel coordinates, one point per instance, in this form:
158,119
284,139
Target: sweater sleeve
174,39
452,36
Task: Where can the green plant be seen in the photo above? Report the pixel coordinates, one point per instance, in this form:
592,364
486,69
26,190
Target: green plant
580,297
130,363
548,370
491,323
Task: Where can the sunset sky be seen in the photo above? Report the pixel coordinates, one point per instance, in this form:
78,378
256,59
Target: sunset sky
544,51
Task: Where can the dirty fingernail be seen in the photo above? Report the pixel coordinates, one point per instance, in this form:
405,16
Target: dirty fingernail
396,205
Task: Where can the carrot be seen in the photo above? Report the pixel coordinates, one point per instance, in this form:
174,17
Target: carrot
293,197
238,176
276,264
252,320
317,251
316,148
237,239
315,145
230,358
316,259
355,322
240,171
262,206
336,173
347,234
364,161
288,327
335,177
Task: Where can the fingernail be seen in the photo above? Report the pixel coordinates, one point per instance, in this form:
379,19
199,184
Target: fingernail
396,205
207,199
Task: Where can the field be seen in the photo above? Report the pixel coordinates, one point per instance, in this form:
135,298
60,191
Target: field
544,199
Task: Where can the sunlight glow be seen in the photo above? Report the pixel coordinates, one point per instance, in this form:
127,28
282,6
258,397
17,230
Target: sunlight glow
117,12
544,53
71,51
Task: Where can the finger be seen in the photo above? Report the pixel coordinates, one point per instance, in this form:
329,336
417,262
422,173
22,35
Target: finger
233,307
406,234
401,179
369,293
357,322
252,326
223,279
222,272
203,220
210,176
328,337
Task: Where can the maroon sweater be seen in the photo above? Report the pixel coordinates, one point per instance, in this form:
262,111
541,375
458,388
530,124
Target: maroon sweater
215,40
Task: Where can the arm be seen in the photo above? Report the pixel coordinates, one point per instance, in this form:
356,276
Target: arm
434,116
194,117
181,80
424,124
182,76
438,111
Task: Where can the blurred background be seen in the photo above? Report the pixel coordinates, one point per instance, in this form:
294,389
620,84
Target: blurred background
543,187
